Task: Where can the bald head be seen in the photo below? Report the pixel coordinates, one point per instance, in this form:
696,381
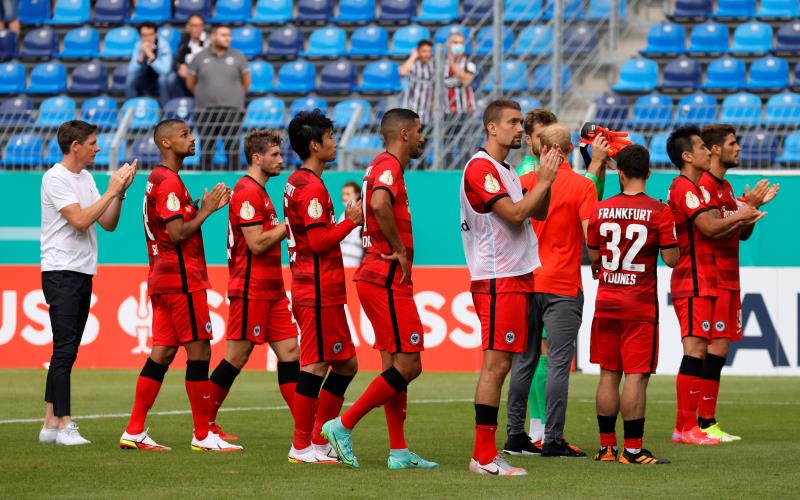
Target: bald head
556,135
395,120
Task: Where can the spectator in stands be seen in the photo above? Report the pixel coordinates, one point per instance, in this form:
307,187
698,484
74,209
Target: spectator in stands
193,41
150,66
8,15
459,75
219,77
352,247
419,69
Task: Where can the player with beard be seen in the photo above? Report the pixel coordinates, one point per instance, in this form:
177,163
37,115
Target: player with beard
386,292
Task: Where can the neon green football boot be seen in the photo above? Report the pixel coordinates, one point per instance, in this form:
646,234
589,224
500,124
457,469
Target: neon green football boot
715,431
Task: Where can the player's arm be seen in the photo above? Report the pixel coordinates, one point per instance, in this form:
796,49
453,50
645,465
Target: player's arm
259,241
381,205
715,227
670,256
179,231
83,218
321,240
536,202
667,239
110,217
592,238
596,170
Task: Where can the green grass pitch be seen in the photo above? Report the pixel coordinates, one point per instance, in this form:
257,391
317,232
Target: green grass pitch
765,464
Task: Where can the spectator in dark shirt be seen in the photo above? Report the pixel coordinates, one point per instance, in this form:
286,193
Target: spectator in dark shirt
193,40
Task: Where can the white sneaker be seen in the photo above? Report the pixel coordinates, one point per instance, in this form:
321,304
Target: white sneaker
325,453
212,442
140,441
309,456
48,436
497,467
69,436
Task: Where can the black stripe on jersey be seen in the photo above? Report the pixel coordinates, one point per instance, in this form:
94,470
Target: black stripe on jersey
653,353
185,288
248,224
666,247
705,209
177,216
691,317
690,234
318,310
392,310
391,196
492,311
315,224
192,318
488,207
592,247
246,293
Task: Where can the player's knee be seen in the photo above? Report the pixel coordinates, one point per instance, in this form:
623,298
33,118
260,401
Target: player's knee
163,355
290,353
238,359
348,367
409,366
499,368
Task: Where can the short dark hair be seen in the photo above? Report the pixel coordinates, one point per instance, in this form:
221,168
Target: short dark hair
148,24
71,131
354,185
307,126
259,142
495,109
196,15
634,161
538,116
680,141
394,120
218,27
162,126
714,135
424,43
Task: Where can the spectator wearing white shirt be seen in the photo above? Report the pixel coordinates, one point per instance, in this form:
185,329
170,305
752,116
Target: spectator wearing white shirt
351,245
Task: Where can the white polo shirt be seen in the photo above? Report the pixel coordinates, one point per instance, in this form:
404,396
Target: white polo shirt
64,248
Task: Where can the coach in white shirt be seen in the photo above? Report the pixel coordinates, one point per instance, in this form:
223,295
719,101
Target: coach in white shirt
71,205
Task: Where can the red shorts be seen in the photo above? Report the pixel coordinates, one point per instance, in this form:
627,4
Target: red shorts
264,320
504,320
394,318
180,317
728,316
621,345
695,315
324,334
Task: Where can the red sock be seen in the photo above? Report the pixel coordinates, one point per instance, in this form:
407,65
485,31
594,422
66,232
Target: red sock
198,392
146,392
378,392
707,407
609,439
287,391
218,395
485,443
395,410
688,396
329,407
633,443
305,409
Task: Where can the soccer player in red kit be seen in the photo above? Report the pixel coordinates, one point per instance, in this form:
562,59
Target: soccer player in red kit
319,294
694,279
727,315
259,311
386,292
177,283
624,237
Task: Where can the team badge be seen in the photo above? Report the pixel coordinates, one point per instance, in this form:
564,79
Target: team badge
229,61
257,330
386,178
247,211
510,337
208,326
337,347
706,326
719,326
490,184
692,201
706,195
315,209
173,203
415,338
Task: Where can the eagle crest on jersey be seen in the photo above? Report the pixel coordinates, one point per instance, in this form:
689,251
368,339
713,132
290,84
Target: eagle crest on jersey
386,178
706,195
247,211
173,204
490,184
314,209
691,200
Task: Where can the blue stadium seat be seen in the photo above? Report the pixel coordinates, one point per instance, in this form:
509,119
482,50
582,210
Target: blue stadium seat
70,12
52,152
580,39
24,150
265,112
110,11
355,12
735,10
284,43
753,38
697,109
405,39
154,11
534,40
9,43
343,112
171,35
476,10
443,33
543,77
528,103
611,111
397,11
522,11
514,77
758,149
12,78
380,77
39,44
273,11
248,40
484,41
89,78
726,74
437,11
796,86
81,43
338,77
232,11
103,157
48,78
220,156
296,77
118,43
307,104
599,10
658,148
54,111
146,112
637,138
101,111
708,39
327,42
783,110
369,41
262,76
788,40
118,78
652,110
665,39
742,109
16,112
779,9
681,74
768,74
145,150
33,12
314,11
368,143
572,10
637,75
791,149
180,108
185,8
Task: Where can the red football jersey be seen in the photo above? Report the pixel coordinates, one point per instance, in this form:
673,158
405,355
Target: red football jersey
695,275
317,279
629,231
173,268
252,276
726,250
385,173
